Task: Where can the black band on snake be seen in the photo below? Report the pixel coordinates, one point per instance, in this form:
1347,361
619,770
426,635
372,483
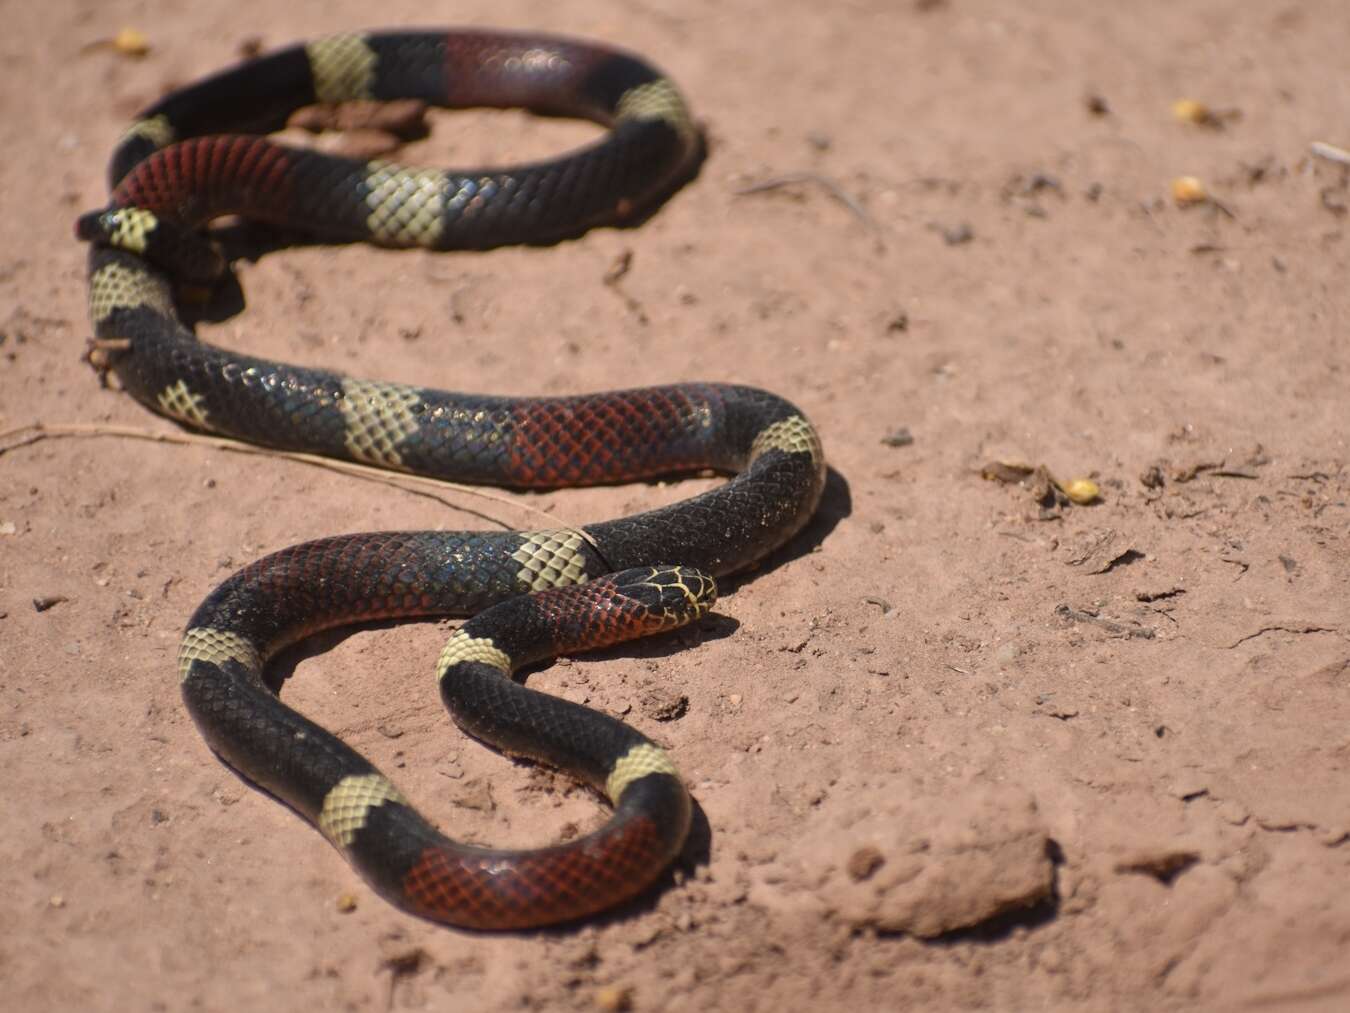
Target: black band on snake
539,592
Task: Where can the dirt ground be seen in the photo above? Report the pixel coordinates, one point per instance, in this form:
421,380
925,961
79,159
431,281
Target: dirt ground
955,748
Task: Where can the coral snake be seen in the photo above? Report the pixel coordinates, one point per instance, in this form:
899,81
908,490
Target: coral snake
201,152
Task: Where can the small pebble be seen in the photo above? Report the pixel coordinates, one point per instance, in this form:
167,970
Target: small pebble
1189,110
1189,190
131,42
1081,490
1097,105
863,862
958,234
614,998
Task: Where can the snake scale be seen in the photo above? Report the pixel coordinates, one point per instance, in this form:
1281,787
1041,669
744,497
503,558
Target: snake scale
202,152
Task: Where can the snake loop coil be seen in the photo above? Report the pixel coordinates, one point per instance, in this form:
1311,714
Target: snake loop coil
532,594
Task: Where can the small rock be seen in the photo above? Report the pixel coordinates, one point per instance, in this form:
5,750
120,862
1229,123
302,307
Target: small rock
661,704
1164,863
933,864
863,862
1097,105
956,235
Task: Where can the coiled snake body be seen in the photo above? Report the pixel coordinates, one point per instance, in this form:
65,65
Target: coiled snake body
544,592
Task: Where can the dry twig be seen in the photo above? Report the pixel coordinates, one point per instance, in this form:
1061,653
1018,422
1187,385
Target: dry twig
27,435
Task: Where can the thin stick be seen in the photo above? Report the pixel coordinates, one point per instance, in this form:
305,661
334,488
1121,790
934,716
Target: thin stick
1330,152
34,432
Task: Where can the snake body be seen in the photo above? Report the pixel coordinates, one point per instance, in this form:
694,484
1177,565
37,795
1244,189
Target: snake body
531,593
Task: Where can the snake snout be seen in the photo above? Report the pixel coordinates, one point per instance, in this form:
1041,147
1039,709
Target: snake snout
675,594
91,226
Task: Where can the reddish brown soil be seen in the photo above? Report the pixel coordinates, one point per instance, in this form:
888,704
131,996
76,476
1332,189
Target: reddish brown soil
952,751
